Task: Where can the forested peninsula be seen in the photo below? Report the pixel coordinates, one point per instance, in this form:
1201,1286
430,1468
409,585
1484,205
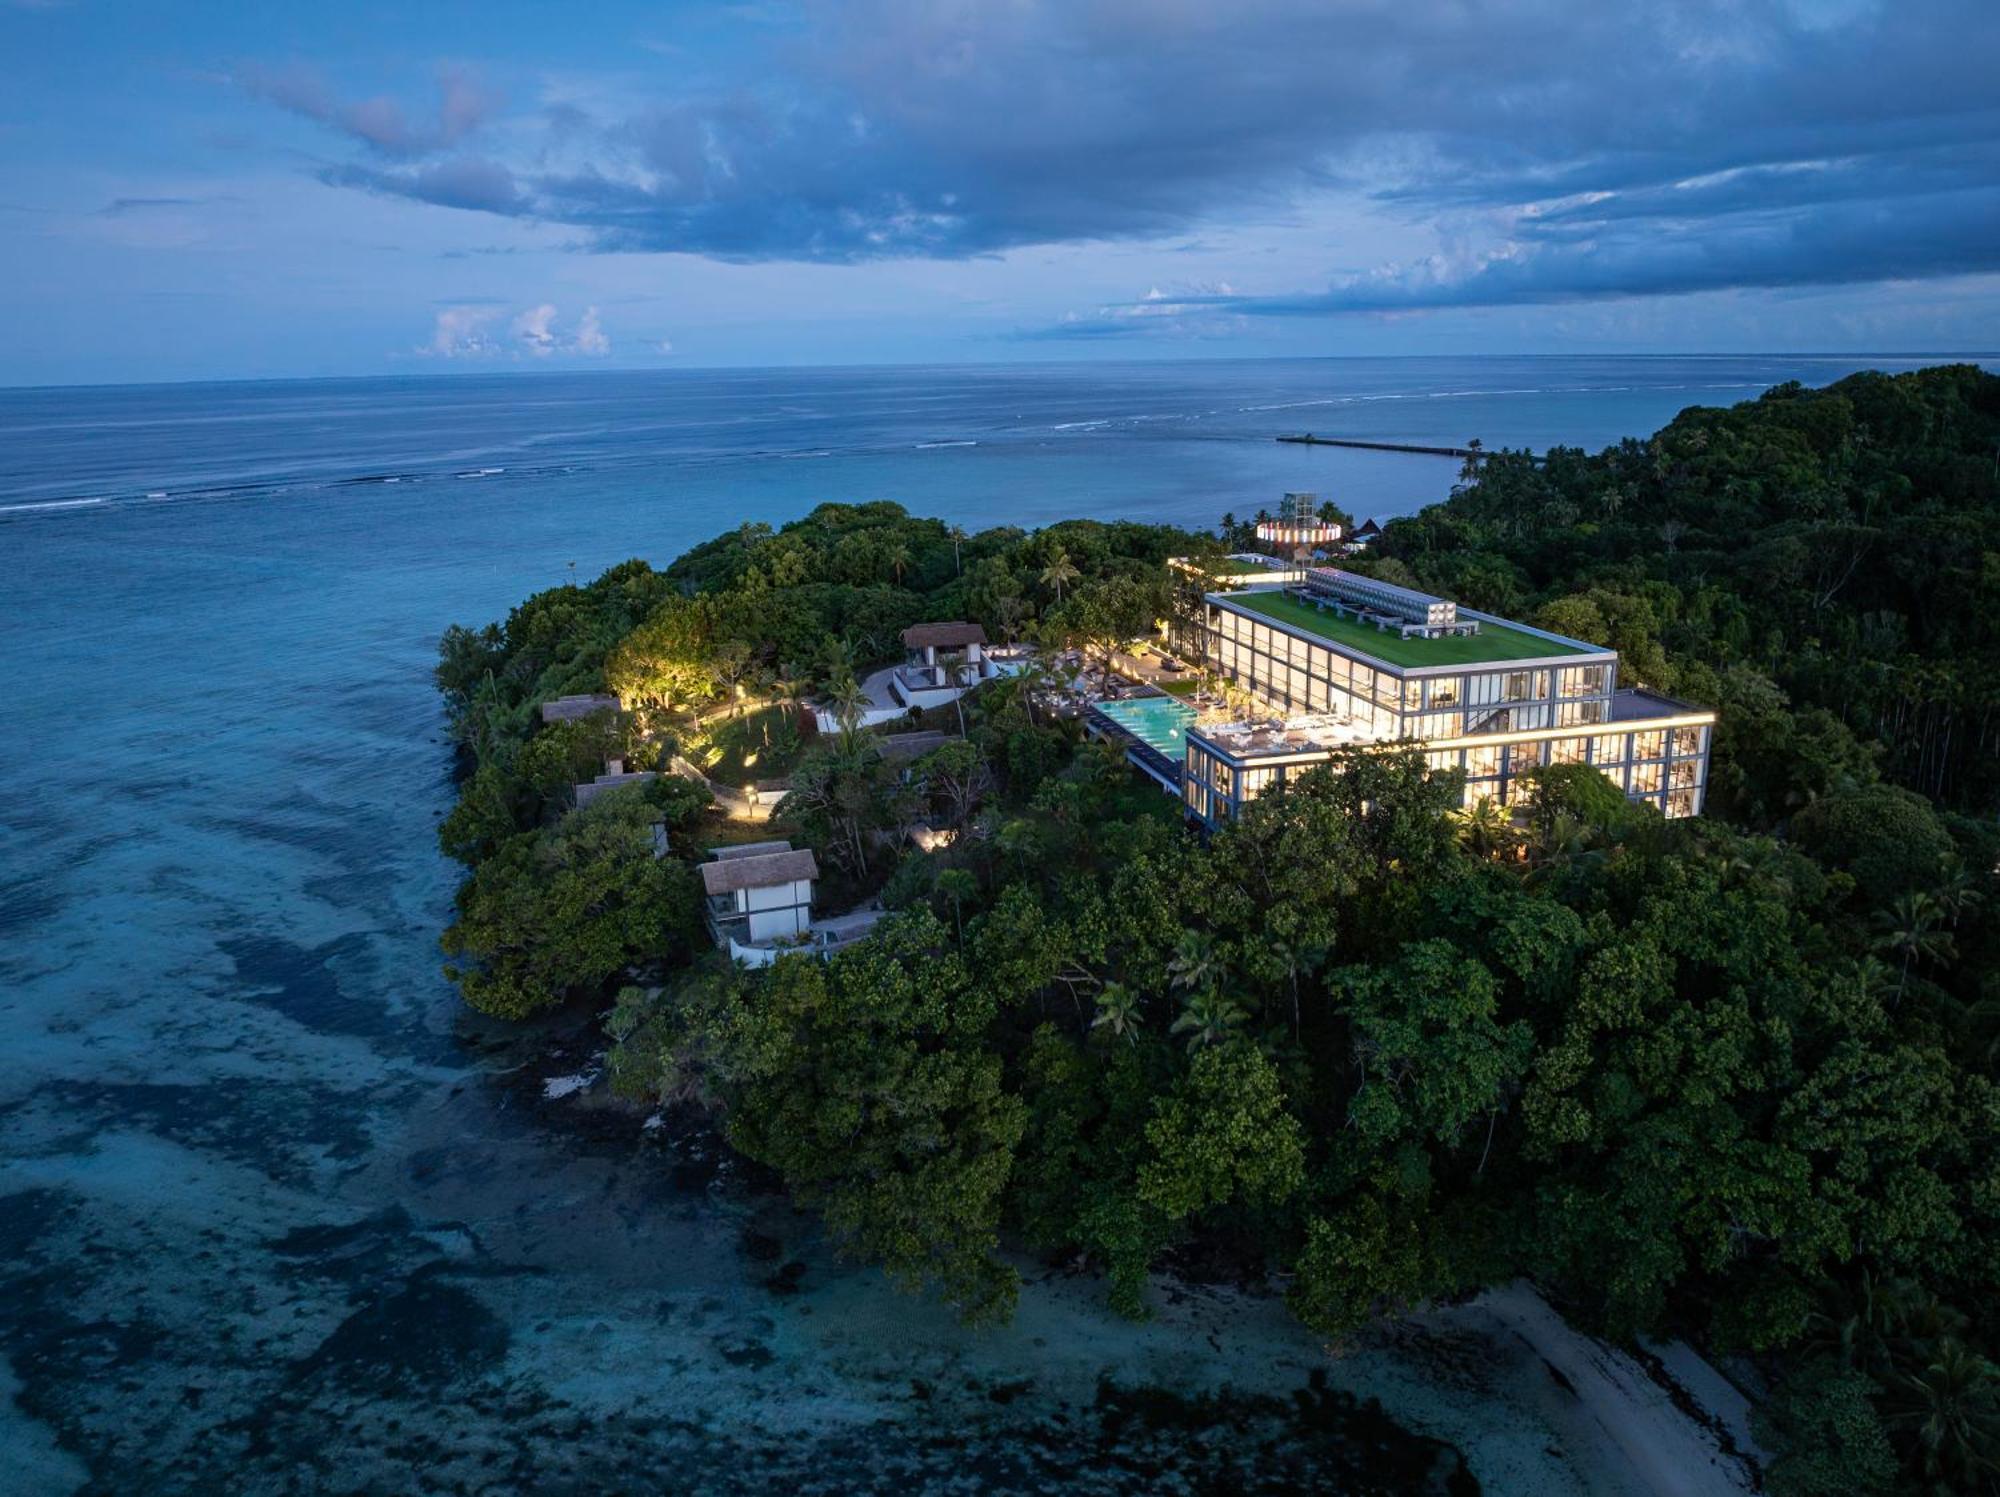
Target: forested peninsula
1730,1078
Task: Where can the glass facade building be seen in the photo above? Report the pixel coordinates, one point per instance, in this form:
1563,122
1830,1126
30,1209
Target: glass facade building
1495,705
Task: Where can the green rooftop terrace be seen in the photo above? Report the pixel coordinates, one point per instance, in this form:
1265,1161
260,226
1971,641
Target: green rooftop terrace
1493,643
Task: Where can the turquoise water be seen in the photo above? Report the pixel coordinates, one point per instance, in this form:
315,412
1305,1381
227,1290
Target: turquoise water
277,1215
1159,722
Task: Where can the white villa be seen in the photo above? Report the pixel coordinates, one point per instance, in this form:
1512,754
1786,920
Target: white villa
759,894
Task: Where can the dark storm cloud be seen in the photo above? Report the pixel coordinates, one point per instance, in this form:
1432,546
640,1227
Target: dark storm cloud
1604,149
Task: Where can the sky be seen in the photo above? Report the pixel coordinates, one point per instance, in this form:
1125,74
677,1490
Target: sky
218,191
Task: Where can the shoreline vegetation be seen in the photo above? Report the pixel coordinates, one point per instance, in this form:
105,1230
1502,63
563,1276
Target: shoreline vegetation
1727,1080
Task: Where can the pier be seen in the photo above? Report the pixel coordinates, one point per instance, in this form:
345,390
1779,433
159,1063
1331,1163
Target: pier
1307,439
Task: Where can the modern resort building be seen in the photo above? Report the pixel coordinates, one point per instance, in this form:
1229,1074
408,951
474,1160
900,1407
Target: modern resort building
1336,660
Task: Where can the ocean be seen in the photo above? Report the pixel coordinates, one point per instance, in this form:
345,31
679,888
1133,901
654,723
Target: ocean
276,1215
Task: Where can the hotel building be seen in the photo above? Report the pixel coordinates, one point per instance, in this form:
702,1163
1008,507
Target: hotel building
1340,660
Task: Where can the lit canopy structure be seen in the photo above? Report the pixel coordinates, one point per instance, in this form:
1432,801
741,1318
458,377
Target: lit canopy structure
1298,531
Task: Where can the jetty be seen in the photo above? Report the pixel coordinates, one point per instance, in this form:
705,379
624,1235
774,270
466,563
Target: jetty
1307,439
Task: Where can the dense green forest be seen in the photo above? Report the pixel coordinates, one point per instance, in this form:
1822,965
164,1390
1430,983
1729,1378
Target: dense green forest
1730,1078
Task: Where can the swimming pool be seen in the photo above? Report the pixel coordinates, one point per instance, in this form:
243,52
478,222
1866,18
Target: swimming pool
1158,722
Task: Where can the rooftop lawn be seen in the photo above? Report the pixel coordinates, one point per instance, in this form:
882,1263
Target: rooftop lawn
1493,642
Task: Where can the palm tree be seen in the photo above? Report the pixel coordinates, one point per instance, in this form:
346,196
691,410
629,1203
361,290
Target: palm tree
899,562
849,702
1208,1019
1194,963
955,884
1950,1408
1118,1012
956,535
838,658
1060,572
1909,932
1958,896
1484,830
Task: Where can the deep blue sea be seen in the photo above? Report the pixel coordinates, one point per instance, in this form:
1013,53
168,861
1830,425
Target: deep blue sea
276,1216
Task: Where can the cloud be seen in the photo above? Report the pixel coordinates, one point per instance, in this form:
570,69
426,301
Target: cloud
1560,148
463,329
380,123
532,330
589,339
460,333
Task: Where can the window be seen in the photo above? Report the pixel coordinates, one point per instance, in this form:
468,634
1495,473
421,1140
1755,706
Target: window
1517,687
1645,779
1649,745
1524,756
1681,803
1445,693
1687,741
1684,774
1568,750
1574,714
1583,681
1607,749
1482,763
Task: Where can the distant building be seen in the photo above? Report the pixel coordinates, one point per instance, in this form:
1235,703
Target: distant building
759,894
1298,531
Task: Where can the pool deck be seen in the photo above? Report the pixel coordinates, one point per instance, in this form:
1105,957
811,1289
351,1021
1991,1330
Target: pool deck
1164,766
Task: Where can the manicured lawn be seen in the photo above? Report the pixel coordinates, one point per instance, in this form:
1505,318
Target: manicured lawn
737,750
1493,642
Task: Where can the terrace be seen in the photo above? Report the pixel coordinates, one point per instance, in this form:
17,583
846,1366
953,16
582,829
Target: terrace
1495,642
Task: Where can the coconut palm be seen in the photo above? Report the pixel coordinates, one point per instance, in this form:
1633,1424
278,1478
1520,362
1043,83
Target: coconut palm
899,562
1118,1012
1484,829
849,702
836,658
1208,1019
1060,572
956,884
1957,896
956,535
1949,1408
1909,931
1194,963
